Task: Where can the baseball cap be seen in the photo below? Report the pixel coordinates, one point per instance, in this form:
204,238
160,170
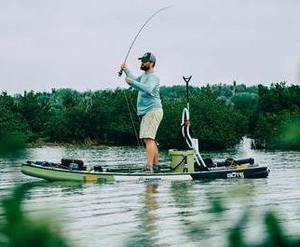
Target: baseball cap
148,57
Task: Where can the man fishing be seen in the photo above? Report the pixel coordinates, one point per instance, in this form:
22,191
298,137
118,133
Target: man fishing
149,107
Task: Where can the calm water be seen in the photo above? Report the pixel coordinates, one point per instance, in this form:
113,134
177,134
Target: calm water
160,214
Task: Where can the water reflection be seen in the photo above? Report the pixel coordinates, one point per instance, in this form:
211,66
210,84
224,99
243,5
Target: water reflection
149,217
147,232
193,226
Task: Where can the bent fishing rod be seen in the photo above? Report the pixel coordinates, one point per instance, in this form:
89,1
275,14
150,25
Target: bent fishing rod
138,33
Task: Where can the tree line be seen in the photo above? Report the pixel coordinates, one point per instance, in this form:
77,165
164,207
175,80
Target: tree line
221,115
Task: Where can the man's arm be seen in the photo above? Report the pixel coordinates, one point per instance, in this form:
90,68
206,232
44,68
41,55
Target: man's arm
128,72
144,87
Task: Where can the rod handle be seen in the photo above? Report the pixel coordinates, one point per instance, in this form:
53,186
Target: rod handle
187,80
120,72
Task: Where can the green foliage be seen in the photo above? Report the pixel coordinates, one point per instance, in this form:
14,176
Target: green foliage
177,92
275,123
66,115
10,118
274,233
245,102
101,116
19,230
268,114
215,123
11,143
280,130
289,133
34,108
278,97
13,127
220,114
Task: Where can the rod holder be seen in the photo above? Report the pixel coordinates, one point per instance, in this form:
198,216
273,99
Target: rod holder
187,80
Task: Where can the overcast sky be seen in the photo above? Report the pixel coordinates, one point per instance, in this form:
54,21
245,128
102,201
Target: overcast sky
80,44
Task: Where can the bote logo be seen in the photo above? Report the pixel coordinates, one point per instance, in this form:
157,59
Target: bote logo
149,179
235,175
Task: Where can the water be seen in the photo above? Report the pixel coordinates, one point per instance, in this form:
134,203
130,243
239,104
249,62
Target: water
158,214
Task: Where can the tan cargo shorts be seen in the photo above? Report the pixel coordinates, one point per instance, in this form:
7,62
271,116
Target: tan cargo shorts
150,123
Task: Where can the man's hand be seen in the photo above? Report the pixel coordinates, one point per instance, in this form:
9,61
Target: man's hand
124,66
128,80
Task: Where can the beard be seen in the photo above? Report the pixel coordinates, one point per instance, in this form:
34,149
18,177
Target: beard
145,67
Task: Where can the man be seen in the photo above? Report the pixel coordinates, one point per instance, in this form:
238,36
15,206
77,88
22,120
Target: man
149,106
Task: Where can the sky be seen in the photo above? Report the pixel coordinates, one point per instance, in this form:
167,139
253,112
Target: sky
80,44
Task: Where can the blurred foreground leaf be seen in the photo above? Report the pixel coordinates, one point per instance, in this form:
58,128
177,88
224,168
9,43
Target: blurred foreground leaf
289,136
12,142
274,235
19,230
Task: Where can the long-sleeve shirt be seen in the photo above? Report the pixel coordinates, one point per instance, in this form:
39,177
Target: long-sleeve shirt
148,91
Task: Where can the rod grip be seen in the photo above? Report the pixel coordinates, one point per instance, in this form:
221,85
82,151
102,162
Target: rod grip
120,72
187,80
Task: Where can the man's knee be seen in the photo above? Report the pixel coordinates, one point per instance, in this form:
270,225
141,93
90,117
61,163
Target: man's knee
148,141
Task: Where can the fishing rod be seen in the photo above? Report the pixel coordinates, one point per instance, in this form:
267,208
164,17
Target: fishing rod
138,33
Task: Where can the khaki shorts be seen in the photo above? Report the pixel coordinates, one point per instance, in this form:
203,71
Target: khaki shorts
150,123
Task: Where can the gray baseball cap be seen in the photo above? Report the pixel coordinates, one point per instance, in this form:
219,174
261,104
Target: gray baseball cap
148,57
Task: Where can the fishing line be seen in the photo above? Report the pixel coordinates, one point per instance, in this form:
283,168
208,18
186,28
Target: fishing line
132,122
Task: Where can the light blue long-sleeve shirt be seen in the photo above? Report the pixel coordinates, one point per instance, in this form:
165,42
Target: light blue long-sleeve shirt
148,91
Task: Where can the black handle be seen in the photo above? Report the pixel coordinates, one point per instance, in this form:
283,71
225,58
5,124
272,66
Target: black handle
120,72
187,80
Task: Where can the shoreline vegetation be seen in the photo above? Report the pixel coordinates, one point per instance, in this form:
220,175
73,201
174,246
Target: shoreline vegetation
221,116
